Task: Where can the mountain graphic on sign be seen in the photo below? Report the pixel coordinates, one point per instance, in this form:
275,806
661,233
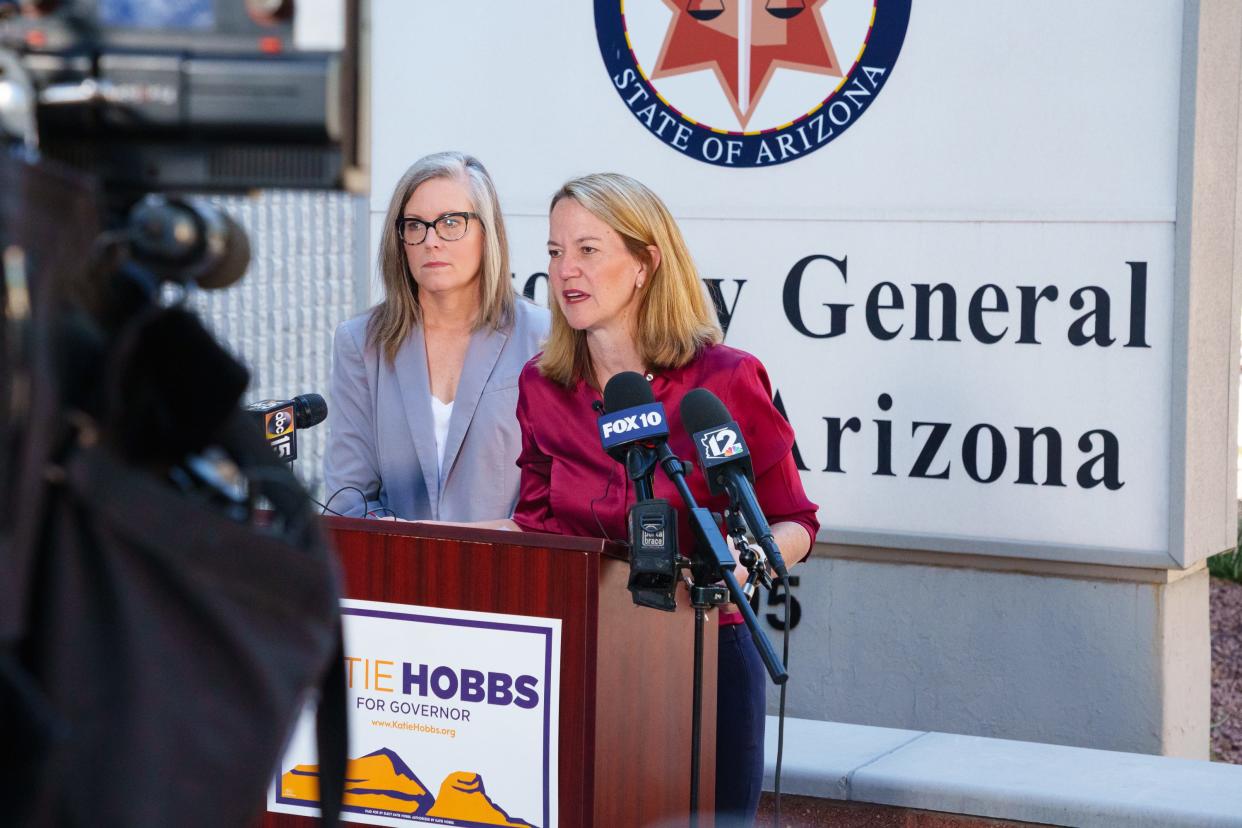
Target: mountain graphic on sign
382,781
462,797
378,780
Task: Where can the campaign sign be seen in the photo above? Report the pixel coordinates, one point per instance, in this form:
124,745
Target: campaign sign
452,720
639,422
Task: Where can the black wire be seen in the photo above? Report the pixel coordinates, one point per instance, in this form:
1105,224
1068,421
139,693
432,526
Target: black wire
366,512
323,510
325,506
598,407
607,489
780,713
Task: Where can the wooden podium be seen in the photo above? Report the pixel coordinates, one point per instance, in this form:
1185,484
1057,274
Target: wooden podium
626,671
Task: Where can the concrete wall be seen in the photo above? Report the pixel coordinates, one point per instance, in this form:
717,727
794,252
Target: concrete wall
1099,657
1203,480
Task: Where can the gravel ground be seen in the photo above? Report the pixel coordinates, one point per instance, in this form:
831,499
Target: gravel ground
1226,620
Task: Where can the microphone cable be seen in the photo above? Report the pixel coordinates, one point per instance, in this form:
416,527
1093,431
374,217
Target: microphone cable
598,407
780,711
625,496
325,506
367,513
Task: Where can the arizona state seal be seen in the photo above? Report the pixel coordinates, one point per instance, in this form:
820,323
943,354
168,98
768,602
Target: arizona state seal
749,83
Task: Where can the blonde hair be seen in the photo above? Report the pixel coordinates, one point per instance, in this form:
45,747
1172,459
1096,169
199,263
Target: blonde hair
675,317
400,311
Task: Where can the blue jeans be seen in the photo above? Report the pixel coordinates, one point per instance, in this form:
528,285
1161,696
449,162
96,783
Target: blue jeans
741,701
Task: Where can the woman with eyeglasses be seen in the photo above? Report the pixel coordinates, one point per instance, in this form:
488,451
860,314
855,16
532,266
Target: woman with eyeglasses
424,385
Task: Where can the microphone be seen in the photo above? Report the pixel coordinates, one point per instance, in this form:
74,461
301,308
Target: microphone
726,465
309,410
632,418
629,400
281,420
631,428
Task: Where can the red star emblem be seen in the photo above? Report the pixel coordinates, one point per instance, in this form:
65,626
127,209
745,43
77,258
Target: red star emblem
743,42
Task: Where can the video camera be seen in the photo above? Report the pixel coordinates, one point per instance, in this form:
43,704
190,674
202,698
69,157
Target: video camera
191,95
110,111
129,565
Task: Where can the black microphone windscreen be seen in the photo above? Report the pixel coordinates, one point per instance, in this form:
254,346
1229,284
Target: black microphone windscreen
309,410
626,390
702,410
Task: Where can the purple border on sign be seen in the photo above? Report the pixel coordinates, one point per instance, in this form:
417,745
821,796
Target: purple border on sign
546,632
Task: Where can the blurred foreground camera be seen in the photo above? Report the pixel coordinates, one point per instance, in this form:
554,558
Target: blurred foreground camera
135,562
190,95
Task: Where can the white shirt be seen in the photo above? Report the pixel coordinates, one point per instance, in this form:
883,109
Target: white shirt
441,413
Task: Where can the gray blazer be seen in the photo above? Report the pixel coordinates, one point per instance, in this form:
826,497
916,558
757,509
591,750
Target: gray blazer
383,441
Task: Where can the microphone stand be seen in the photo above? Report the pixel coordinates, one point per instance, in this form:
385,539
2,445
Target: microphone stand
754,560
744,502
712,562
640,462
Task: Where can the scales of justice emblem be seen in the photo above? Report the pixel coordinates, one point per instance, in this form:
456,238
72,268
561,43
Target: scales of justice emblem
724,80
744,42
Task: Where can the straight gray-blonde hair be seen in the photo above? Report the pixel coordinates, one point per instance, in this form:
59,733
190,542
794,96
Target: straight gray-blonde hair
396,316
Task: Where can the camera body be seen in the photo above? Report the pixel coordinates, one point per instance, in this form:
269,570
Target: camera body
192,95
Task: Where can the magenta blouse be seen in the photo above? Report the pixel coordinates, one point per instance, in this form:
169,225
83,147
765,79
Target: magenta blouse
570,486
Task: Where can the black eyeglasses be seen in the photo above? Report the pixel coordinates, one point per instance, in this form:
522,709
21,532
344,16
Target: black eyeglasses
449,227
